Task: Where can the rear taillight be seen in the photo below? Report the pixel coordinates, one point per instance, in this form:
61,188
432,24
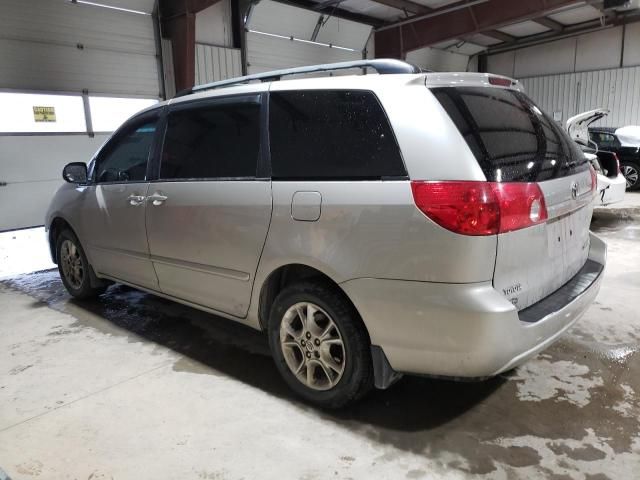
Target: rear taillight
480,208
521,205
594,178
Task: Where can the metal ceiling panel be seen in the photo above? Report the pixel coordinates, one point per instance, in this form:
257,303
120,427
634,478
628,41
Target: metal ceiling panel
480,39
572,15
445,44
373,9
435,3
523,29
467,48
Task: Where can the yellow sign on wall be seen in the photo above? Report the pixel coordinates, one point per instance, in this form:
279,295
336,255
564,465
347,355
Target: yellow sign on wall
44,114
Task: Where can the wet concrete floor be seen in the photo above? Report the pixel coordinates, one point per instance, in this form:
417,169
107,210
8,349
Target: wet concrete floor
135,386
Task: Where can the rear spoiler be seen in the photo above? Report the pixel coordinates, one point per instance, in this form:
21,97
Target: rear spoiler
455,79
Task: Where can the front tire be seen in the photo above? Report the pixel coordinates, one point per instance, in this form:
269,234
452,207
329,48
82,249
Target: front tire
631,172
319,345
74,267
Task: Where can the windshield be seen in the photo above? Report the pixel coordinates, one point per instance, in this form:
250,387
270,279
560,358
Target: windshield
512,139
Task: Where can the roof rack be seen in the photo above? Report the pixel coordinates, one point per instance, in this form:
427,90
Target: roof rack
382,66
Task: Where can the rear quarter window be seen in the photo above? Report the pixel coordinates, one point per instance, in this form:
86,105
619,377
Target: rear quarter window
512,139
331,135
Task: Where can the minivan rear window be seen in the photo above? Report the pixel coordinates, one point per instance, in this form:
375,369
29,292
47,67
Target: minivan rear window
331,135
512,139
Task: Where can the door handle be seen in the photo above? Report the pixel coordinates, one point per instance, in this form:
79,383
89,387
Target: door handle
135,199
157,199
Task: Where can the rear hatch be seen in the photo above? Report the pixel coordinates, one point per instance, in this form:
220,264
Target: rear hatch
578,125
515,143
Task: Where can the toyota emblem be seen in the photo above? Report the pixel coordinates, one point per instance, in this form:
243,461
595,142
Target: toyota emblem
574,190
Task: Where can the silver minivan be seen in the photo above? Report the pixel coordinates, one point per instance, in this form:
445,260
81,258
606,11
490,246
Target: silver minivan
372,225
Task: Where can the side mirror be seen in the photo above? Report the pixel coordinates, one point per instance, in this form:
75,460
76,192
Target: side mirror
75,172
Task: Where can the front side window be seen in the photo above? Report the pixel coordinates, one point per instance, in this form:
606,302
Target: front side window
125,159
331,134
215,141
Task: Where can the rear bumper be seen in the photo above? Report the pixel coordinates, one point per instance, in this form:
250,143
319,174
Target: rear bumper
611,190
468,330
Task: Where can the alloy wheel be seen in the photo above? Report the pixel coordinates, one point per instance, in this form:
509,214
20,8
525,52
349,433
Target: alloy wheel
631,175
312,346
72,265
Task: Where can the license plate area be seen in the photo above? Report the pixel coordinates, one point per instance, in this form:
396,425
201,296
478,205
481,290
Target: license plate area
568,236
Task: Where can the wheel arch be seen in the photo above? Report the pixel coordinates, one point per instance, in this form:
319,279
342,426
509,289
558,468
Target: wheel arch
58,224
287,274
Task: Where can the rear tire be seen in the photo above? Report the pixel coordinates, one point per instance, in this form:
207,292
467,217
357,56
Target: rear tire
631,172
74,267
320,345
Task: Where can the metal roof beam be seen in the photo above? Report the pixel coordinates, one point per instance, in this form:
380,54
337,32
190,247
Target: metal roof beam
457,20
334,11
498,35
406,5
568,31
549,23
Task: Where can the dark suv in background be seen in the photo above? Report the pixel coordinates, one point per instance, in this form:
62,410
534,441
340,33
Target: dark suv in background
629,155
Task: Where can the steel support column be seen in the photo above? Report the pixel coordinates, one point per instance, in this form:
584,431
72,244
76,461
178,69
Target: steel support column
178,22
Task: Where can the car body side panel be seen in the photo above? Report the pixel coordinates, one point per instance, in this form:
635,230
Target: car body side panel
115,232
66,204
206,238
369,229
629,154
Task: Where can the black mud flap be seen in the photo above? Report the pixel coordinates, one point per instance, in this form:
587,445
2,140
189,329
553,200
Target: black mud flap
384,375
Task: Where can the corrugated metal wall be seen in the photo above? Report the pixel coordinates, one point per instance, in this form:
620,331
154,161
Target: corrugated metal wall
600,50
168,72
216,63
617,89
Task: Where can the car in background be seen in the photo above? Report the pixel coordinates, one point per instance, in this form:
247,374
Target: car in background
625,143
611,183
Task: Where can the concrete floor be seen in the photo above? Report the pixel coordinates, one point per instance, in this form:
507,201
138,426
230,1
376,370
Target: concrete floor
136,387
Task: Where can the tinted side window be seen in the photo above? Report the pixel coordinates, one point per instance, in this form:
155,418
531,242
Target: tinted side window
329,134
125,158
212,142
512,139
